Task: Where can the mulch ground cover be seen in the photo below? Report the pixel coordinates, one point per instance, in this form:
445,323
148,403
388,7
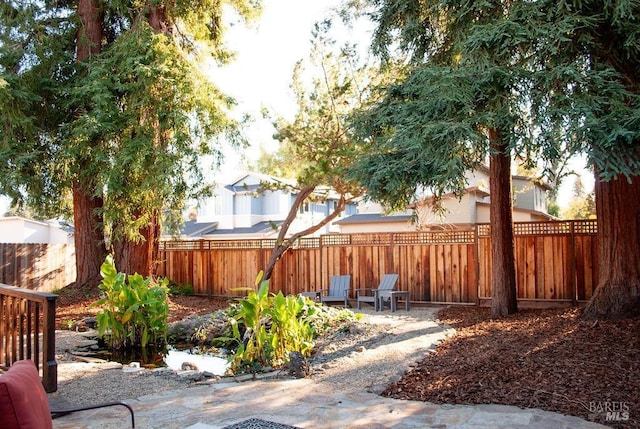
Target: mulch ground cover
547,359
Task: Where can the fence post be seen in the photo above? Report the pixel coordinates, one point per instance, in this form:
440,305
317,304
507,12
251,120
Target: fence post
476,267
49,366
573,268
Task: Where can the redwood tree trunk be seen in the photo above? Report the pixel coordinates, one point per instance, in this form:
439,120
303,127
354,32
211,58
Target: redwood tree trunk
88,233
618,215
139,257
88,237
503,276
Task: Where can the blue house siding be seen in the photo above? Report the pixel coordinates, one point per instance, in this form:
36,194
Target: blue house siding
321,209
257,204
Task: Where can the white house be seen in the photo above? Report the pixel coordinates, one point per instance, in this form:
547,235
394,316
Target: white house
242,209
530,204
15,229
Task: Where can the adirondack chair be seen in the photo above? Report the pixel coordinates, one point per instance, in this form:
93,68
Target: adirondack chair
376,296
338,291
24,403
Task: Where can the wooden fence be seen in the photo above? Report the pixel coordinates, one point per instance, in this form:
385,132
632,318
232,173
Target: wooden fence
39,267
555,261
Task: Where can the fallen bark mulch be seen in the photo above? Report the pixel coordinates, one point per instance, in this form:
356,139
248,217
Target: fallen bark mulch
547,359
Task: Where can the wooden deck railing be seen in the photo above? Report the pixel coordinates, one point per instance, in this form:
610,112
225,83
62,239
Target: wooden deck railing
27,330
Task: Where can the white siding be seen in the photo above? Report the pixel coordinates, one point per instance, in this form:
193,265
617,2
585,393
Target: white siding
271,204
461,211
21,230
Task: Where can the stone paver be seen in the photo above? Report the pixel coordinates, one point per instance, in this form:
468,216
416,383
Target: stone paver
302,403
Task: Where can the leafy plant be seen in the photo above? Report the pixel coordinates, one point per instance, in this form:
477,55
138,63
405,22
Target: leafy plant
268,327
136,308
180,288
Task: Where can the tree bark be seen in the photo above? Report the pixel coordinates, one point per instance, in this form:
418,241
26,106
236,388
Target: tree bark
503,278
88,232
88,237
618,215
157,19
283,244
139,257
89,37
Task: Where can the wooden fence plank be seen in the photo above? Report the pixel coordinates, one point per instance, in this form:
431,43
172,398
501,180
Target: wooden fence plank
552,262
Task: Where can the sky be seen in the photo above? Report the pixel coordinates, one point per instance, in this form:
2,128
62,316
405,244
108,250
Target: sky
266,54
261,73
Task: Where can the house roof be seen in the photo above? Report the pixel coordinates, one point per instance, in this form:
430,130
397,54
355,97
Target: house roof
194,228
521,210
258,228
55,223
239,185
373,218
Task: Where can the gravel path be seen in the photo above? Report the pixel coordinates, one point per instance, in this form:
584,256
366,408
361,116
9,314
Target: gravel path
366,356
382,348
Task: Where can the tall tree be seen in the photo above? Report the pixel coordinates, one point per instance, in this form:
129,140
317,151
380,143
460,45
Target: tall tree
315,147
457,105
590,87
125,114
87,204
612,44
567,73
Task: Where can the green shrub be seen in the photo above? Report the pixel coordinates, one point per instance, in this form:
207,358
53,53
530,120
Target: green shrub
136,309
266,328
180,288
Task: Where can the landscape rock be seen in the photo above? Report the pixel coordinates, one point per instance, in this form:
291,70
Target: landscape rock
189,366
200,329
298,365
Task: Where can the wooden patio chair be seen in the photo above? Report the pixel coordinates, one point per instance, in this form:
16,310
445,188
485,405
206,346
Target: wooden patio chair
24,403
371,295
338,291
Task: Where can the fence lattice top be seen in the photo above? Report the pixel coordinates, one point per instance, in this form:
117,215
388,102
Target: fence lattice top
453,236
567,227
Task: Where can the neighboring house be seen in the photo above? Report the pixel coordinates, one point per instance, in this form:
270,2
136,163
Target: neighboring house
192,229
530,204
240,209
15,229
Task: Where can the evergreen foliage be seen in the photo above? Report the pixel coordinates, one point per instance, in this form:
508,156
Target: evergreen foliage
541,72
316,147
545,79
131,123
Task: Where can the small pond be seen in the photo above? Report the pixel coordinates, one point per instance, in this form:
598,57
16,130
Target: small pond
213,363
170,357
